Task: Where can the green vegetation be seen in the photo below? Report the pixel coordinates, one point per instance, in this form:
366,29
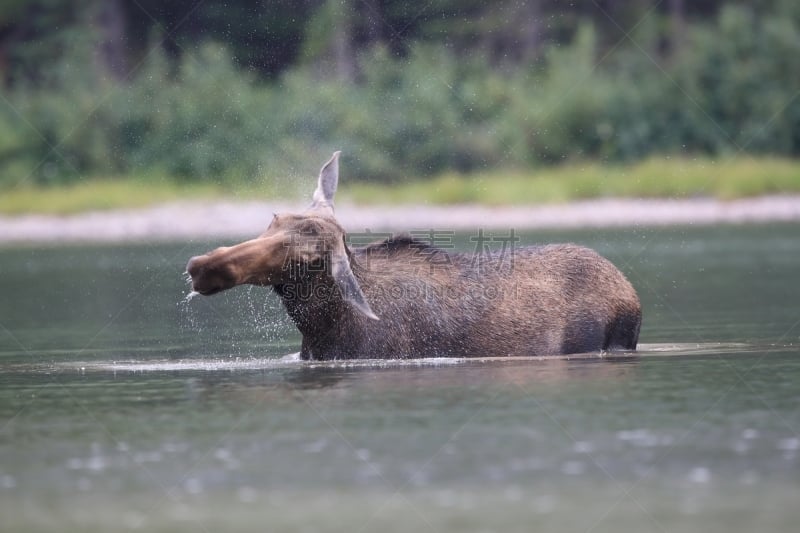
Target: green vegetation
656,177
653,178
255,94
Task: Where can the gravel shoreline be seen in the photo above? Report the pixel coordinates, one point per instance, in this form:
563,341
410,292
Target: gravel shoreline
224,219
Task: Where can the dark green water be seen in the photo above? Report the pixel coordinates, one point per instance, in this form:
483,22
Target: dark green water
124,408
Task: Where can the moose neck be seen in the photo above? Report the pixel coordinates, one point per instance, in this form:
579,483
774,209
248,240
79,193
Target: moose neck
328,324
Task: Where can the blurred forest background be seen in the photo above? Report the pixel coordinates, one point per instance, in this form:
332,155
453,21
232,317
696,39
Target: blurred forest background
238,91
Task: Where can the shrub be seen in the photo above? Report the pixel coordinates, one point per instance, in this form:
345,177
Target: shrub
731,87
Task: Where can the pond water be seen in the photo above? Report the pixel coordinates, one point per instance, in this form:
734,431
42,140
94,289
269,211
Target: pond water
123,407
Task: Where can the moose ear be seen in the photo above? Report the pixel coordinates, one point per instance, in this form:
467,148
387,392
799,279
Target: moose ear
347,283
326,185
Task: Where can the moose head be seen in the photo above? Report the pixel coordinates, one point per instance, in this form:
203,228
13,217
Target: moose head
295,248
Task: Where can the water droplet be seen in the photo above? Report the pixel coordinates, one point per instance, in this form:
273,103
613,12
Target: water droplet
639,437
700,474
193,486
573,468
190,296
362,454
222,454
96,463
583,447
750,433
316,446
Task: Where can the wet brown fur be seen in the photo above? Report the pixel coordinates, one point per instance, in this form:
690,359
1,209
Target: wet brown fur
554,299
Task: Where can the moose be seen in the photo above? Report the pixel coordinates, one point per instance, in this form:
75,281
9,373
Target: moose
402,297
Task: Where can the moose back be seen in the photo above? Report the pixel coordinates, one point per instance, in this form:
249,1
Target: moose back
402,297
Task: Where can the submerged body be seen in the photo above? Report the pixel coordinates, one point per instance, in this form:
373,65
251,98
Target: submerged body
555,299
403,298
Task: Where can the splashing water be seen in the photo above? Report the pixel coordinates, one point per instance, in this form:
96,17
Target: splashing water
185,306
190,296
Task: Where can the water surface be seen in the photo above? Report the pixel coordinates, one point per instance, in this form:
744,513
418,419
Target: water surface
122,407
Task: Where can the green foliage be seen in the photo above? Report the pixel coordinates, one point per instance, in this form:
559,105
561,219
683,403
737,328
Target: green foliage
652,178
743,75
202,123
58,129
197,117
